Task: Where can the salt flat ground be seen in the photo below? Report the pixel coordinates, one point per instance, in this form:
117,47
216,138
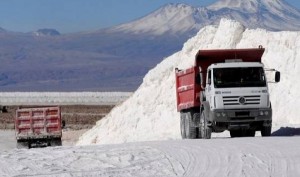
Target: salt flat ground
7,140
220,156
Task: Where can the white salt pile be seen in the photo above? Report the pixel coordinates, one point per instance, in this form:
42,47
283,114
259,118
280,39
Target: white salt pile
150,113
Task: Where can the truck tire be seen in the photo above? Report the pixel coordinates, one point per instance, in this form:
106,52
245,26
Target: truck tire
196,119
190,128
56,142
22,144
266,131
182,125
204,130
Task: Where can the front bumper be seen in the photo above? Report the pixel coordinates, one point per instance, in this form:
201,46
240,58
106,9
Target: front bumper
240,119
241,115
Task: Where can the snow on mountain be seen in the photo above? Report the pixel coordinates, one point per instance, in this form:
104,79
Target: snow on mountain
150,113
274,15
252,6
46,32
184,19
167,20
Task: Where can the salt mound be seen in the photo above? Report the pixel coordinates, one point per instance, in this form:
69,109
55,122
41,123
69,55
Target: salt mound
150,113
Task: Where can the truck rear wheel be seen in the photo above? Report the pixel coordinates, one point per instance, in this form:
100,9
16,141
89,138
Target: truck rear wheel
190,128
266,131
56,142
22,144
182,125
204,130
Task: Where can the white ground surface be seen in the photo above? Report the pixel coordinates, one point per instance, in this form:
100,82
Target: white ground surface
7,140
221,156
272,156
63,98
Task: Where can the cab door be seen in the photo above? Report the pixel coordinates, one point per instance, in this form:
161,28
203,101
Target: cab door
208,89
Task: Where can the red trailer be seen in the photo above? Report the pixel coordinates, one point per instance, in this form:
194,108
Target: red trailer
38,126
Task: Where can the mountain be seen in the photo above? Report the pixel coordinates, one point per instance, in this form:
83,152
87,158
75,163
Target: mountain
46,32
117,58
180,19
166,20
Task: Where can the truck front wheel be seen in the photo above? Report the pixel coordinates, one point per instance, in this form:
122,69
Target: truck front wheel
266,131
204,130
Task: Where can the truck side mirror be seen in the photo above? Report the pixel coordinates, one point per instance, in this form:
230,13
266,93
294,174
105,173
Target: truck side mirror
277,76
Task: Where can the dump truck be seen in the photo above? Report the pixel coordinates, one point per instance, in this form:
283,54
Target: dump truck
226,89
38,127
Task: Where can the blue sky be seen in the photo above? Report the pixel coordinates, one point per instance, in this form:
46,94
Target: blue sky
81,15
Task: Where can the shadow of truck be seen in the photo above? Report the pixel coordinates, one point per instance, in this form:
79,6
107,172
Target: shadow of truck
287,131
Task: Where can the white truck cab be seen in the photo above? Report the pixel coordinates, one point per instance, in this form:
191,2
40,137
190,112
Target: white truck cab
238,98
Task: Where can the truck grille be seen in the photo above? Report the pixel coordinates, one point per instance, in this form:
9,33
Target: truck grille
241,100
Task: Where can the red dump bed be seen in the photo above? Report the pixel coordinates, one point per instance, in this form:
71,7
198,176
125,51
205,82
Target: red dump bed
38,123
188,90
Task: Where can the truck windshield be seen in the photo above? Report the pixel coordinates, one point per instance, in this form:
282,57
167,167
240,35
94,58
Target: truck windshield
239,77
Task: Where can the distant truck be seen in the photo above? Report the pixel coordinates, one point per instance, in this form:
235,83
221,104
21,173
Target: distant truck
224,90
39,126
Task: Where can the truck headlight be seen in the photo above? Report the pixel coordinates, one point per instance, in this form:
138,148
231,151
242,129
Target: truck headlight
266,113
221,114
261,113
